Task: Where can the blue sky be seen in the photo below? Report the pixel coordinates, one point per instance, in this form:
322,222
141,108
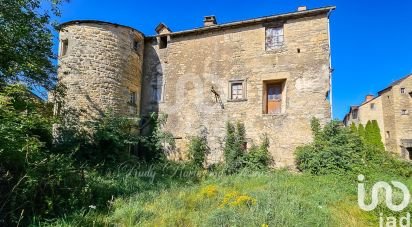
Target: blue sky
371,40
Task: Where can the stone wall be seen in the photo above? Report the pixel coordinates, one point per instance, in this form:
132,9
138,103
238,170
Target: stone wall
400,124
100,68
191,65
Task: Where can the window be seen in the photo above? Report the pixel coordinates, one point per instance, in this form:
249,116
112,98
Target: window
388,134
355,114
273,94
403,90
156,93
373,106
163,42
132,98
274,38
404,112
136,45
237,90
64,47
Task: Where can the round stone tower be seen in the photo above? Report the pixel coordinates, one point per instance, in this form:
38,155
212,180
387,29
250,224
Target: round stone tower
100,64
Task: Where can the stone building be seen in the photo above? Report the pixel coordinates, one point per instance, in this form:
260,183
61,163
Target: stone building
272,73
391,109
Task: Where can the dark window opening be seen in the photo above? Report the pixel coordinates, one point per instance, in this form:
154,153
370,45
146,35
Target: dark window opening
355,114
163,42
404,112
388,134
64,47
372,106
409,150
298,50
132,98
403,90
136,45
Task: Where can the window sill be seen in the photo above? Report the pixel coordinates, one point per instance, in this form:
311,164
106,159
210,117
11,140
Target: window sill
276,50
273,114
236,100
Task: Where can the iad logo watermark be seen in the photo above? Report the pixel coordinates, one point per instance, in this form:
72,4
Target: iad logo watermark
384,186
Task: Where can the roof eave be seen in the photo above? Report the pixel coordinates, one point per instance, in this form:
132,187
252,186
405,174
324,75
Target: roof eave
298,14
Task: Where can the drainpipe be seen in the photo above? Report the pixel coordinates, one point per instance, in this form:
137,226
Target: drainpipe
330,69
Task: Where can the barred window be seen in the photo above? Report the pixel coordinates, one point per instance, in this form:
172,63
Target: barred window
274,38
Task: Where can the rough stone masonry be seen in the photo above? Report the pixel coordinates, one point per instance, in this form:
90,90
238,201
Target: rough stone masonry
271,73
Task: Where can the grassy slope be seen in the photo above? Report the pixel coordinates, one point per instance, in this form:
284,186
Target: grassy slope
273,199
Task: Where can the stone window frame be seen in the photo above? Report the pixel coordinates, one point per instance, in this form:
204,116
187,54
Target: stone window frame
64,47
132,98
244,90
404,112
373,106
265,83
278,25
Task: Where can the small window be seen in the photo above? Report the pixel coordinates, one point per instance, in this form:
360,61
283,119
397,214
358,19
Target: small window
156,93
355,114
403,90
132,98
136,45
64,47
163,42
274,38
373,106
388,134
404,112
237,90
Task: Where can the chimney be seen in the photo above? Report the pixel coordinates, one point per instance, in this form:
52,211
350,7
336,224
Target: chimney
209,21
302,8
369,98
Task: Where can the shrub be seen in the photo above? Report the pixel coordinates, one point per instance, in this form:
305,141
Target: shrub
335,149
156,141
235,148
198,150
258,157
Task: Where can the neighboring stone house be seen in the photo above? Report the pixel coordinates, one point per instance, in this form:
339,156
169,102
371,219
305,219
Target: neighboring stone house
271,73
392,111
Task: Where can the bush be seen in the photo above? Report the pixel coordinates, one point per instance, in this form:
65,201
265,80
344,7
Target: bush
198,150
34,179
335,149
235,147
258,157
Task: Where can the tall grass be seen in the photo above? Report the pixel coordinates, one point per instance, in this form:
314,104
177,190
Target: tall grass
247,199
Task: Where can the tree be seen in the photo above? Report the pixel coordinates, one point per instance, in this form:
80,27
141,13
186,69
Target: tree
235,148
26,42
353,128
361,131
373,137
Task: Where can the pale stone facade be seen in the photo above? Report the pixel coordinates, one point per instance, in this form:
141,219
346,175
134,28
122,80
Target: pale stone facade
392,111
204,77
